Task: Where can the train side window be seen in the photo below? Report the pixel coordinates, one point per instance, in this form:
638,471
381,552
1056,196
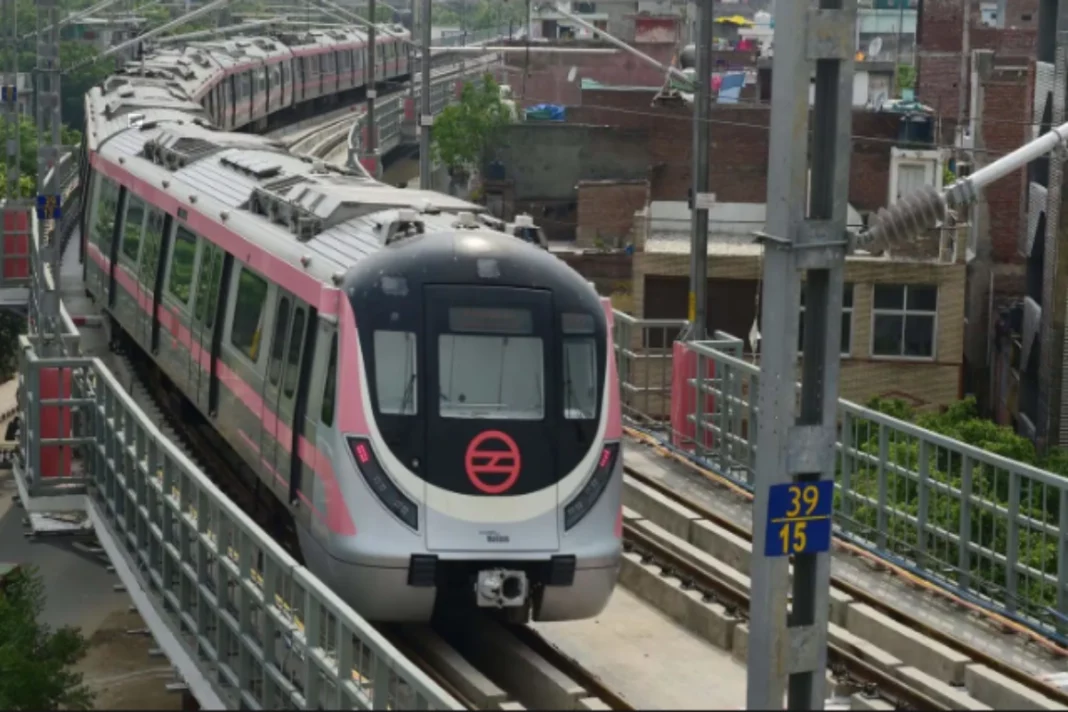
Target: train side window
208,285
296,343
132,226
245,333
107,207
326,414
152,240
278,342
580,367
183,259
396,372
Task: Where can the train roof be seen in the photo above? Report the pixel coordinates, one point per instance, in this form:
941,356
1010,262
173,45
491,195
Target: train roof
320,218
176,77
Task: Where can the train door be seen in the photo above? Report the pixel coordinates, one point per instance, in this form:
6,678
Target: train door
319,417
175,313
126,301
270,448
146,278
487,419
203,324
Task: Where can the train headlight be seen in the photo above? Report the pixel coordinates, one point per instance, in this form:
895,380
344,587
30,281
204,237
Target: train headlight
577,508
388,493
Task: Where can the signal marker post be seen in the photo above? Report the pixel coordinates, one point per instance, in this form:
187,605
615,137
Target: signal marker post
805,236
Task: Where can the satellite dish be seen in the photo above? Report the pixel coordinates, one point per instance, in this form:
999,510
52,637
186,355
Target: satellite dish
572,74
875,46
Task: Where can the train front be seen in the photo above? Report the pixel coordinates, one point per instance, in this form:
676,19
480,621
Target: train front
490,432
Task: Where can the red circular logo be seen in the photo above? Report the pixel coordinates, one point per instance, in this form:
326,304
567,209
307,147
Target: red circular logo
502,458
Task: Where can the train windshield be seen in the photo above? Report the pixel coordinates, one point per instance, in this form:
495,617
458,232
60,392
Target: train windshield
490,365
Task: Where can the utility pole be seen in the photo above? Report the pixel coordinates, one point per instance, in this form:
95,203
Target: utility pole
49,208
372,83
426,119
701,200
795,447
11,104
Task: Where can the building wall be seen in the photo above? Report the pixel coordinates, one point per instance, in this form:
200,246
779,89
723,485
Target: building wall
543,164
606,211
942,46
739,147
923,383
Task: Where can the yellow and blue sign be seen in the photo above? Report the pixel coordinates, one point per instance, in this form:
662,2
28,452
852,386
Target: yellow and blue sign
48,207
8,93
799,518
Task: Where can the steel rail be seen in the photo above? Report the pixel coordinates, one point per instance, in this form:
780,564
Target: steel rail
736,601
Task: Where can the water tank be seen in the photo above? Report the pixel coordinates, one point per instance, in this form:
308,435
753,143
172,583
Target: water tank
688,57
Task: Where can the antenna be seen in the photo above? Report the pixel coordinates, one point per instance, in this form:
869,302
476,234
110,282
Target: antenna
874,47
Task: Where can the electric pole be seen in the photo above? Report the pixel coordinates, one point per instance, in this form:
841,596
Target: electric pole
372,87
701,200
805,232
426,119
49,207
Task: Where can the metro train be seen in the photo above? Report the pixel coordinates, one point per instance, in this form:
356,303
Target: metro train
427,397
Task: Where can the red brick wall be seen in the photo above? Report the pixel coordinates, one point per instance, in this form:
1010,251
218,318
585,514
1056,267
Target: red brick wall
546,80
1006,99
606,210
941,37
739,147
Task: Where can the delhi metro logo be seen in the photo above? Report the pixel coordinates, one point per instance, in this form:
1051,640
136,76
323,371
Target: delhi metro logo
491,455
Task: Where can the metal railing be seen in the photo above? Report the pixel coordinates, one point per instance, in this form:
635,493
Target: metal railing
266,632
991,530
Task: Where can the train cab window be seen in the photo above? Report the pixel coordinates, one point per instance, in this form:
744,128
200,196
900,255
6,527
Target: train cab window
208,285
245,333
491,365
132,226
107,205
580,367
396,372
326,413
296,342
183,259
278,342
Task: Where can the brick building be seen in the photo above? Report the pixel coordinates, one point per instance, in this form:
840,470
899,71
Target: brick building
979,78
943,58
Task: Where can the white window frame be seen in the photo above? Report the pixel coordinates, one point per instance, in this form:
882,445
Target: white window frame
904,312
847,349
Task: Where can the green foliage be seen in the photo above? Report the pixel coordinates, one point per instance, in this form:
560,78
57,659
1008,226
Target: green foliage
945,468
464,130
36,662
479,16
906,77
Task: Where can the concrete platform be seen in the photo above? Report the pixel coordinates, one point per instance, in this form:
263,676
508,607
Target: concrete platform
649,659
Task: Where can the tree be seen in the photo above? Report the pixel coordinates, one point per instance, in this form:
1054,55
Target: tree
463,131
36,662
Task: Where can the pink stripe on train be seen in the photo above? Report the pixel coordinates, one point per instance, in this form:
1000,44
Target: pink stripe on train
294,280
337,516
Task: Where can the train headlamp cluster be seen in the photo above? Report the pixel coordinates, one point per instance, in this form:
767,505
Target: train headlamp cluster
388,493
580,506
